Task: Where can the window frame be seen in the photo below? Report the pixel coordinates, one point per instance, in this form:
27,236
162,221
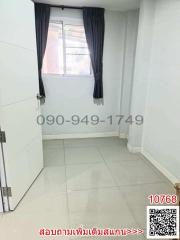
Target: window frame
74,22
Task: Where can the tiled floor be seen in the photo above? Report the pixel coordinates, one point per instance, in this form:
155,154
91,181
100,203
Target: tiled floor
90,182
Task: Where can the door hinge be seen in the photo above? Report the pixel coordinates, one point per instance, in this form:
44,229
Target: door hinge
2,137
6,191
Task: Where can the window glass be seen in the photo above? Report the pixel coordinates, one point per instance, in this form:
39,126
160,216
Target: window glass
66,51
53,60
78,64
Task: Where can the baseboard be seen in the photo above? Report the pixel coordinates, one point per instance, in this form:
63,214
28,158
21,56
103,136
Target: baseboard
162,169
123,136
80,135
133,149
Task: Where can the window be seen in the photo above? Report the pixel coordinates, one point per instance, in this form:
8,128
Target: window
53,61
66,51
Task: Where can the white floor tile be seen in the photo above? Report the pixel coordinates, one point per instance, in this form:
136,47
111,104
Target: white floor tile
137,198
104,208
133,172
33,214
53,143
117,154
93,198
51,181
87,176
53,157
82,155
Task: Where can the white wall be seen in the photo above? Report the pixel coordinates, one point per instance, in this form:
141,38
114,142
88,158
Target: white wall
69,96
132,20
142,60
157,86
162,130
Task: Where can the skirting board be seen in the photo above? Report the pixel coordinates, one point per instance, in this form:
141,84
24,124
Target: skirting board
162,169
133,149
155,163
123,136
80,135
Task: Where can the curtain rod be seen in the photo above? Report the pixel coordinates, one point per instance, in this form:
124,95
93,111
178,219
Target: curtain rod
64,6
59,6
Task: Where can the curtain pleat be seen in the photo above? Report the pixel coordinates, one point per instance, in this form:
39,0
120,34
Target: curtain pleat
42,15
94,25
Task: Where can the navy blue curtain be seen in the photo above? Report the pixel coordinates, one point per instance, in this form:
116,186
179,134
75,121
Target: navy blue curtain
42,15
94,25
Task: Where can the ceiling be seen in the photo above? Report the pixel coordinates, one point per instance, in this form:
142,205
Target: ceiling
117,5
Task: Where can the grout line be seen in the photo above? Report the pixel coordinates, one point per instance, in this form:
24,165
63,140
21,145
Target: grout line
114,180
103,162
86,163
91,146
67,197
123,195
115,186
119,189
126,185
93,189
130,209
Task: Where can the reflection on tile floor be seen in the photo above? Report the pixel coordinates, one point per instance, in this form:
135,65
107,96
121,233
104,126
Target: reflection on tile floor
90,182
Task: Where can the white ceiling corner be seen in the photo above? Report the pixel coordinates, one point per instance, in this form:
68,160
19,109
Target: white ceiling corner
117,5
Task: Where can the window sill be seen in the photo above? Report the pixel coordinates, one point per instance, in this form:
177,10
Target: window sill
65,76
